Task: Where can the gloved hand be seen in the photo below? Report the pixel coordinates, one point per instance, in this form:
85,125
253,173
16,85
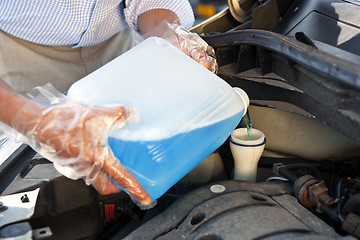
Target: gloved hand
189,43
74,137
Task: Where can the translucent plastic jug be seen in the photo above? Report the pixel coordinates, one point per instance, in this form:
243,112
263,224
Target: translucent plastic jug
185,111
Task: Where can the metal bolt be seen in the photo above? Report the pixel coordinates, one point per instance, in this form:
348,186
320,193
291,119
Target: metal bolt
2,207
25,199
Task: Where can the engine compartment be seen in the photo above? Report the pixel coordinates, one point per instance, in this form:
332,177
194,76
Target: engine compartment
303,82
236,210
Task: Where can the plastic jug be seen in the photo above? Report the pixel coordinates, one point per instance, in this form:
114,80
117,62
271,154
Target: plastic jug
185,111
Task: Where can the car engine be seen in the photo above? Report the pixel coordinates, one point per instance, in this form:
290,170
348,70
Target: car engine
298,60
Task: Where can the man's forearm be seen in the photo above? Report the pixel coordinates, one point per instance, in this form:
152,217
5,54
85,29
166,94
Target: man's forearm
153,18
11,102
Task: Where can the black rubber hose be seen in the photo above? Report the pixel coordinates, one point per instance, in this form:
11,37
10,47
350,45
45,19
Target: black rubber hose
313,169
286,173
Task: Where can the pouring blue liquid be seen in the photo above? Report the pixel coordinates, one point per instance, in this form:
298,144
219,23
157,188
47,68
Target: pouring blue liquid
159,164
195,97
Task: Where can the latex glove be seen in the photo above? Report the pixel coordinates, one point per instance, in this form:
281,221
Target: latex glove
74,137
189,43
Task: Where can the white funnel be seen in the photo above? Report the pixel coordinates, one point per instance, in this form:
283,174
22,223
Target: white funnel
246,153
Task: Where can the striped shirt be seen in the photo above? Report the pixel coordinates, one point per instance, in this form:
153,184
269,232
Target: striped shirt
79,23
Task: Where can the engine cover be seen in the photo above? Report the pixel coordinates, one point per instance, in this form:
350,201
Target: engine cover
237,210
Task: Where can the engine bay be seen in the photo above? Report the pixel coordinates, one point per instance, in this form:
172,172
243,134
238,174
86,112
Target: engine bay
299,63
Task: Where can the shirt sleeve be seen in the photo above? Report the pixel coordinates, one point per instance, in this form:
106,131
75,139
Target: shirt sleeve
182,8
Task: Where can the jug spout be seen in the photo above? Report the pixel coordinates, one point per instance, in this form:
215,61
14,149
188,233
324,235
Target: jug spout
243,95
